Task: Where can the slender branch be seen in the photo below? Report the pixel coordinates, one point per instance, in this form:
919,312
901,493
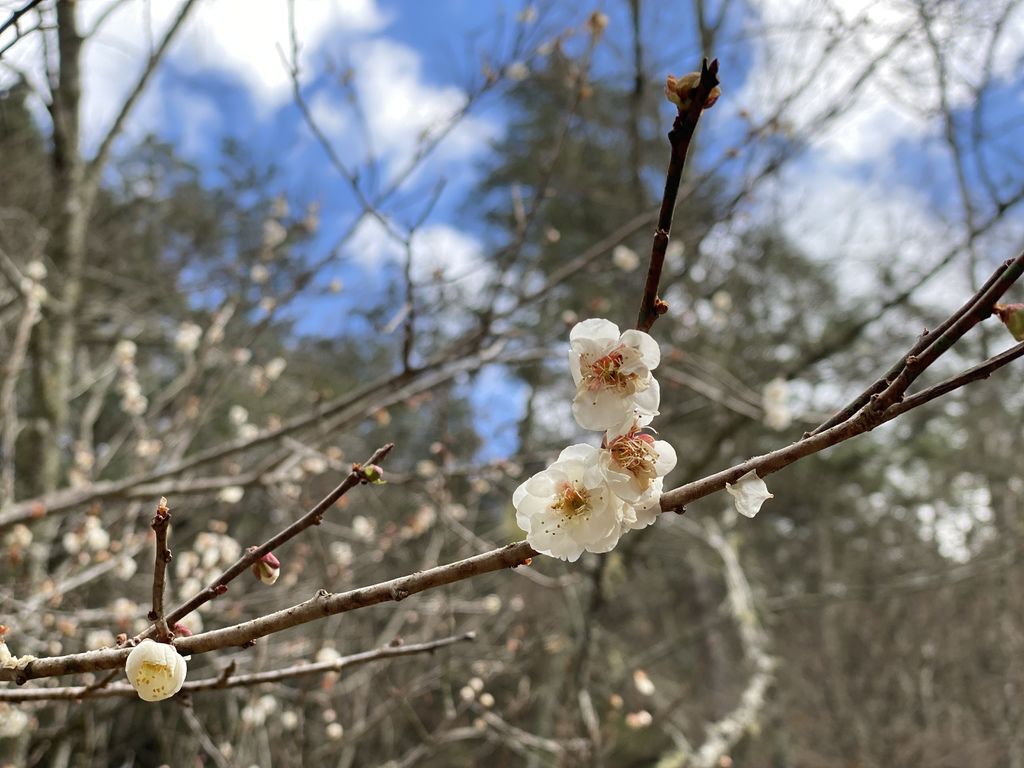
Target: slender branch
231,680
678,498
926,340
347,408
220,584
323,604
94,170
162,556
651,306
981,371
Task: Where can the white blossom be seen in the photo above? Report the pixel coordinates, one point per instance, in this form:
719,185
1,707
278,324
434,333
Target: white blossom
125,568
327,655
238,415
231,494
147,448
19,537
186,340
99,638
612,372
639,720
96,537
248,432
635,464
259,274
775,401
517,71
275,368
569,508
625,258
749,493
35,270
674,254
274,233
13,721
155,670
644,684
124,352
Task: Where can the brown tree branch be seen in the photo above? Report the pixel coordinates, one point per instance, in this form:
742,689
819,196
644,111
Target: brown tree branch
231,680
220,584
94,170
162,556
651,306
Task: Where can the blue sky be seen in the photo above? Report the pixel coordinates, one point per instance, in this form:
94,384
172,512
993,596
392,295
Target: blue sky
880,175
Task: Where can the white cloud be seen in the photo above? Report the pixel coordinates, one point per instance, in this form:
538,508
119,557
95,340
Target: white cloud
236,38
401,110
232,39
834,44
438,251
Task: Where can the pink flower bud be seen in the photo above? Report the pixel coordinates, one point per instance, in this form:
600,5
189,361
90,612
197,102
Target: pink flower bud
267,568
180,630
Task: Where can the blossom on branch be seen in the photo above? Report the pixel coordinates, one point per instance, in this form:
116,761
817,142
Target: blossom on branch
267,568
612,372
155,670
569,508
635,464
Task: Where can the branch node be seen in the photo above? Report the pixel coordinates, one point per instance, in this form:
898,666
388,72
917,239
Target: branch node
399,593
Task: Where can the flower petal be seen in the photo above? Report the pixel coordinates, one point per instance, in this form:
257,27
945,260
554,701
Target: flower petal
749,493
650,352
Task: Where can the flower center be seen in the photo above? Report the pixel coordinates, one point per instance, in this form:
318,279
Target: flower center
634,452
154,677
606,373
571,501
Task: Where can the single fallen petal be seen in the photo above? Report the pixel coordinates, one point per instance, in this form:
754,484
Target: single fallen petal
749,493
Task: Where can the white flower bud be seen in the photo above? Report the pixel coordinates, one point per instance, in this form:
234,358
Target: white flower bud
625,258
517,71
232,494
155,670
186,340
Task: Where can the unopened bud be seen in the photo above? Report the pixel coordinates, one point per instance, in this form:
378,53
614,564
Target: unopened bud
373,474
267,568
597,23
679,90
180,630
1012,316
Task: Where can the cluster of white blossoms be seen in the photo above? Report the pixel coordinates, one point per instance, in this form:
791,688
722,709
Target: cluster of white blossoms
589,497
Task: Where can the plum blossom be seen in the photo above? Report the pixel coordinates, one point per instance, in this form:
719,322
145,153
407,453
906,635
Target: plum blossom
775,401
635,464
267,568
569,508
612,372
155,670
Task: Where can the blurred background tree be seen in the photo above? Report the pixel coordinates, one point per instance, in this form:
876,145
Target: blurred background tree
204,338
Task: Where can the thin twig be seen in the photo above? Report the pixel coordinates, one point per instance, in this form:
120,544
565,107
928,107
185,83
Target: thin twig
161,557
220,584
227,678
651,306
